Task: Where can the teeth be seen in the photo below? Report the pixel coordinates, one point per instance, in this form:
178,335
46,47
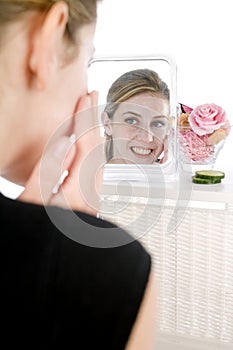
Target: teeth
141,151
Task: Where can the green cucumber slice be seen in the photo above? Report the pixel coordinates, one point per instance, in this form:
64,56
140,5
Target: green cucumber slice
211,181
210,174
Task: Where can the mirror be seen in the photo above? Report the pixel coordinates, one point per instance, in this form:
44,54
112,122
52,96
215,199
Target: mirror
137,115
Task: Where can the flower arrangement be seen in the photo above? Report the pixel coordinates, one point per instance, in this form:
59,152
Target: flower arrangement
202,131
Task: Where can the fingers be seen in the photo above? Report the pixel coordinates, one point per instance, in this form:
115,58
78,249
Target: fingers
87,168
65,190
55,166
70,173
86,118
165,151
87,101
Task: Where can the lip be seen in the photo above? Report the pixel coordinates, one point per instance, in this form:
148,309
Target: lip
142,152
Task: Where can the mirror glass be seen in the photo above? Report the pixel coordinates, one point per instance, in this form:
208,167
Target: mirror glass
137,115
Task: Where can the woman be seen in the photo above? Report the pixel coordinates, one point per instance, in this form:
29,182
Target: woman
136,118
55,291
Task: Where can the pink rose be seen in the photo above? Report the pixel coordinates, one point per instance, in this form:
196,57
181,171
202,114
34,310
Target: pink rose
207,118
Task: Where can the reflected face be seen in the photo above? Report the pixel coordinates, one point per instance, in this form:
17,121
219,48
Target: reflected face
139,128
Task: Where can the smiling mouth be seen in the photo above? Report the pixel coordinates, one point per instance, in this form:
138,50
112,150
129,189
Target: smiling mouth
141,151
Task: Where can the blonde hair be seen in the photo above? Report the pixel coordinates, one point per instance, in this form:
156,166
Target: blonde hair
81,12
127,85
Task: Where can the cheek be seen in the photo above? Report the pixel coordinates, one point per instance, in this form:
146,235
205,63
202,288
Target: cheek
124,132
82,81
159,134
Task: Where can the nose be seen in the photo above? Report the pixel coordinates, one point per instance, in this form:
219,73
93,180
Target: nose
145,135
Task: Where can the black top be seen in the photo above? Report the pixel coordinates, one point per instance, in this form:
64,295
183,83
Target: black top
67,290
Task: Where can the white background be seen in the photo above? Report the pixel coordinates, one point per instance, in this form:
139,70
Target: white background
197,34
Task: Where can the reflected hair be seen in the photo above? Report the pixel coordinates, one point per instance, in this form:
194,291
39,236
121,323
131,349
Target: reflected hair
128,85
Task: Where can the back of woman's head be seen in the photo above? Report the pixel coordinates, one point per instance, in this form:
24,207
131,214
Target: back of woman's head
133,83
81,12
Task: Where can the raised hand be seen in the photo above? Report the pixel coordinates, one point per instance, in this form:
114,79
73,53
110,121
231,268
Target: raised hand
69,174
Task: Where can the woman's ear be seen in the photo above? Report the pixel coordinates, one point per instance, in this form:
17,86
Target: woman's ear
47,44
106,123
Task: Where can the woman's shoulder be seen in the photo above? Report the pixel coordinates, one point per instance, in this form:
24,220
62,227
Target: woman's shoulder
74,230
96,270
78,237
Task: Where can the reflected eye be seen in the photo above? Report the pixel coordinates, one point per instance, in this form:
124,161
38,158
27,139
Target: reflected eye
158,124
131,121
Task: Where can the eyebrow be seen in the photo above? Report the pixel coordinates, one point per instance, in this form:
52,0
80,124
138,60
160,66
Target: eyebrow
134,113
139,115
